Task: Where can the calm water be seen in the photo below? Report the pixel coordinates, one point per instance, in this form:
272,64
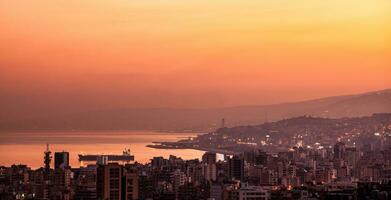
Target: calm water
28,147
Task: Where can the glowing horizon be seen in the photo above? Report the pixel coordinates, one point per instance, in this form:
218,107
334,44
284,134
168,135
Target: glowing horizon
191,53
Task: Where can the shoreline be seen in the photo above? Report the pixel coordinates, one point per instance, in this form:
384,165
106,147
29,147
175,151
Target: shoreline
213,150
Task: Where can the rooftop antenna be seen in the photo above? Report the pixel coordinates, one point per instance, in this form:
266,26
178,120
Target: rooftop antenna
47,158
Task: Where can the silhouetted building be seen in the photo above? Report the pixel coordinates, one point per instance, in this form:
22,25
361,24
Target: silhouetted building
130,185
157,161
261,158
47,159
339,150
209,158
108,185
61,160
85,183
209,171
236,168
178,179
146,188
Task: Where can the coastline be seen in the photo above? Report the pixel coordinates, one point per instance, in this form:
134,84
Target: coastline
158,145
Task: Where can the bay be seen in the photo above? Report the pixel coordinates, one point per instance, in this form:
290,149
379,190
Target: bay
28,147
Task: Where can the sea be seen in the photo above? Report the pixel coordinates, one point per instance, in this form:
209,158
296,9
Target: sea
28,147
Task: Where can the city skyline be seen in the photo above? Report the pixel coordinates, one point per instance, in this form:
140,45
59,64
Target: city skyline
302,172
195,100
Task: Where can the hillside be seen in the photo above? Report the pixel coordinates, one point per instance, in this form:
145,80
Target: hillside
284,134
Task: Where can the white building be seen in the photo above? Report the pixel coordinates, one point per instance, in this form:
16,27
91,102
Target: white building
209,172
246,192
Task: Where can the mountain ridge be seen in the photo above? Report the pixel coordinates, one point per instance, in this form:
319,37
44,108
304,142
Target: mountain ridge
207,119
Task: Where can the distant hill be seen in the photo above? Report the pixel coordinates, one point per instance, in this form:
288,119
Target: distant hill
171,119
286,133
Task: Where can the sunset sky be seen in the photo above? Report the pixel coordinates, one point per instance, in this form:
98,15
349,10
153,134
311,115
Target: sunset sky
98,54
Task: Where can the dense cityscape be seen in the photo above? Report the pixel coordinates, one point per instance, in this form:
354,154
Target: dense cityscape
309,131
342,170
195,100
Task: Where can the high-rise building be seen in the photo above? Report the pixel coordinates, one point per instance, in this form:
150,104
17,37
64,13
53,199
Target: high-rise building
268,177
194,171
85,183
261,158
108,184
209,171
352,156
178,179
339,150
157,162
62,177
146,187
60,184
61,160
368,147
130,185
236,168
209,158
249,156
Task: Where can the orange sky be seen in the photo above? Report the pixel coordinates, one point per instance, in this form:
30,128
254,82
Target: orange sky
193,53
